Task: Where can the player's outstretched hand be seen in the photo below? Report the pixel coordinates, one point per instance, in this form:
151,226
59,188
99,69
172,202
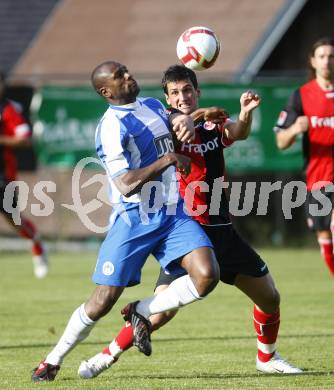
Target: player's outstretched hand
249,101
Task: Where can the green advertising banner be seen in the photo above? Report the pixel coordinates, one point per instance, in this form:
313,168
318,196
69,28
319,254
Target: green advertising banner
64,124
66,119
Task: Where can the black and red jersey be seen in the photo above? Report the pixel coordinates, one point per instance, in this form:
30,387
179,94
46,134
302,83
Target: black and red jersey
318,142
202,189
12,124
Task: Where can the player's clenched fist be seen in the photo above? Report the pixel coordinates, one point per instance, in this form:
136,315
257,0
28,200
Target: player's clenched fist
249,100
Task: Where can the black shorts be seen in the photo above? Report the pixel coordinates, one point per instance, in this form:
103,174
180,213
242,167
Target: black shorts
13,200
320,222
233,254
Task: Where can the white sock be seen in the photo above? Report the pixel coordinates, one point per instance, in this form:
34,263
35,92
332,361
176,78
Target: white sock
115,349
179,293
77,329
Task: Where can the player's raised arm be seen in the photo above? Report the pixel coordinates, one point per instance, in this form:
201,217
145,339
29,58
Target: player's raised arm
240,130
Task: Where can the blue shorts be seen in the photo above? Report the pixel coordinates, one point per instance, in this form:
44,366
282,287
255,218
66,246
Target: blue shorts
127,246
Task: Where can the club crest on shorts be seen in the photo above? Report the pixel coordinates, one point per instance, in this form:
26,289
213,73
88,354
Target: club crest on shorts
108,268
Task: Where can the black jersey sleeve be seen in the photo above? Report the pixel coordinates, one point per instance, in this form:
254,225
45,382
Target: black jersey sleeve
291,112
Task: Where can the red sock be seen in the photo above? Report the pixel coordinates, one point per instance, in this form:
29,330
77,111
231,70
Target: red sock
37,248
122,342
326,249
27,229
266,327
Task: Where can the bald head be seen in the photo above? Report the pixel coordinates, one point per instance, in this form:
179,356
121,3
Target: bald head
113,81
101,74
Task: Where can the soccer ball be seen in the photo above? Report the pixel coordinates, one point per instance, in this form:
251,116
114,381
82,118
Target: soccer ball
198,48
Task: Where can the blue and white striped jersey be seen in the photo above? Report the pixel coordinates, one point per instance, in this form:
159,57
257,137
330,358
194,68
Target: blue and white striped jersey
133,136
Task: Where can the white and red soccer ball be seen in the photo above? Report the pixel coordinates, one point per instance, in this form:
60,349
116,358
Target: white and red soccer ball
198,48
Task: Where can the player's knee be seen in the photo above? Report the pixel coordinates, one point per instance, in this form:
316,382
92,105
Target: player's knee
207,280
212,274
203,269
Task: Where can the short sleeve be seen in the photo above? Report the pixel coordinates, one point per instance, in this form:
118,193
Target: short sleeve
291,112
111,146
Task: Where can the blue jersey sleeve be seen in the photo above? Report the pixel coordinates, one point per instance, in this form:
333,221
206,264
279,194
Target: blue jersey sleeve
111,146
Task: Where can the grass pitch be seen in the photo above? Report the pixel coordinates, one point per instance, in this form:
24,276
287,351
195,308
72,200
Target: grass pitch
209,345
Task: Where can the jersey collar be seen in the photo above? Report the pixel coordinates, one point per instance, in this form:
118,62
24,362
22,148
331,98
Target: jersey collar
127,107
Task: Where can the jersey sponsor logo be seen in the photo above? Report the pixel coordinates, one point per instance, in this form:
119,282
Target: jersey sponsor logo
201,148
327,121
281,118
108,268
330,95
164,144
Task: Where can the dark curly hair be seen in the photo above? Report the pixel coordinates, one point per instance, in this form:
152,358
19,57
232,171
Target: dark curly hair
178,73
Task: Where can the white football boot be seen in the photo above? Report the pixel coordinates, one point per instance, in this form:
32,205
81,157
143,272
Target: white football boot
95,365
277,365
40,264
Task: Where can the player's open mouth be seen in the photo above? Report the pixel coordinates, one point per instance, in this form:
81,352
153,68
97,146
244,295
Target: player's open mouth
185,108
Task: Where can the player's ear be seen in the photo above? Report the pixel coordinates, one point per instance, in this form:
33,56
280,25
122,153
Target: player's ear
198,92
167,99
312,60
105,92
